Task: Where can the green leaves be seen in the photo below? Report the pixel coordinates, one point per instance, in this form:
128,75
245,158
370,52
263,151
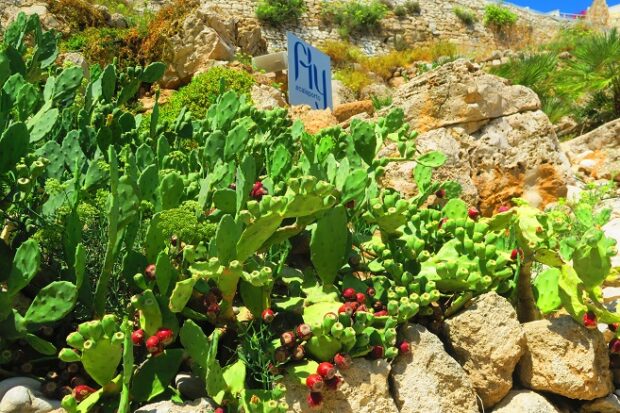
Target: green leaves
364,139
25,266
153,377
432,159
14,143
328,245
546,290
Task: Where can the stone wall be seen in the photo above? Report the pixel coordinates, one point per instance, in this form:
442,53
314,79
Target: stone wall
436,21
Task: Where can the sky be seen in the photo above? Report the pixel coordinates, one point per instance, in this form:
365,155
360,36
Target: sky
566,6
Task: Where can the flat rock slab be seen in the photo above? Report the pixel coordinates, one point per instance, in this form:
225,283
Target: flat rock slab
525,401
427,379
565,358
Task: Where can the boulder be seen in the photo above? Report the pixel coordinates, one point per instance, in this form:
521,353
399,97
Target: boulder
118,21
204,405
487,340
460,93
10,10
427,379
345,111
8,384
190,386
266,97
454,143
365,390
313,120
518,156
77,59
206,35
377,90
341,94
249,37
524,401
609,404
597,153
23,399
565,358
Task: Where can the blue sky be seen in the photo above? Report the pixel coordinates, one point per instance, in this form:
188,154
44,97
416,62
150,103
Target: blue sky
567,6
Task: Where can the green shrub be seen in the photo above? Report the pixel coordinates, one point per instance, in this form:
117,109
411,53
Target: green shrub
467,15
100,45
276,12
204,89
498,16
354,17
353,79
400,11
76,14
412,7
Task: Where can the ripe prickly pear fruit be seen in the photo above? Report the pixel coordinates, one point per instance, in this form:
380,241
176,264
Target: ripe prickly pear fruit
165,336
516,253
153,345
149,271
377,352
473,213
82,391
299,353
326,370
404,347
343,361
213,309
613,327
258,191
288,339
281,354
334,383
589,320
219,410
441,193
268,315
381,313
360,298
315,383
614,346
371,292
346,308
349,294
315,400
503,208
137,337
304,332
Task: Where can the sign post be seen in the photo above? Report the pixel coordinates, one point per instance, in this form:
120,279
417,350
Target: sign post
309,75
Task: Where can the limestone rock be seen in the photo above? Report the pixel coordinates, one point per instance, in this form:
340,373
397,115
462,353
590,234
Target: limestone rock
118,21
427,379
597,153
565,358
341,94
460,93
207,34
609,404
266,97
487,340
313,120
347,110
524,401
23,399
203,405
8,384
249,38
190,386
519,156
10,10
365,390
376,90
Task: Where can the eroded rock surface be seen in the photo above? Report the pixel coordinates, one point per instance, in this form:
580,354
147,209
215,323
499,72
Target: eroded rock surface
524,401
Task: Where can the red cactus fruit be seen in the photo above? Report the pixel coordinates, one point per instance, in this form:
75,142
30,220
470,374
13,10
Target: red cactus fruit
165,336
362,308
288,339
149,271
377,352
473,213
517,252
152,345
614,346
137,337
219,410
281,354
404,347
213,309
304,332
315,383
371,292
268,315
441,222
503,208
360,298
82,391
334,383
589,320
350,204
349,294
381,313
326,370
613,327
299,353
441,193
258,190
315,400
343,361
346,308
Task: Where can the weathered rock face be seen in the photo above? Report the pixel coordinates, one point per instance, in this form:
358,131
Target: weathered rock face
597,153
267,97
346,110
313,120
10,10
341,94
564,358
609,404
487,340
461,94
519,156
22,395
524,401
365,390
428,380
203,405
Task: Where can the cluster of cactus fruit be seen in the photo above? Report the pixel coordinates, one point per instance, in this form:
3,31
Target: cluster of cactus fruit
214,224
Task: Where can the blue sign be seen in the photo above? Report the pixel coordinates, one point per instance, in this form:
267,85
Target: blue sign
309,75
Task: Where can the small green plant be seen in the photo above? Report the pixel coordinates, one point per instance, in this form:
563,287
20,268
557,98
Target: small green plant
277,12
379,102
498,16
400,11
467,15
412,7
352,16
